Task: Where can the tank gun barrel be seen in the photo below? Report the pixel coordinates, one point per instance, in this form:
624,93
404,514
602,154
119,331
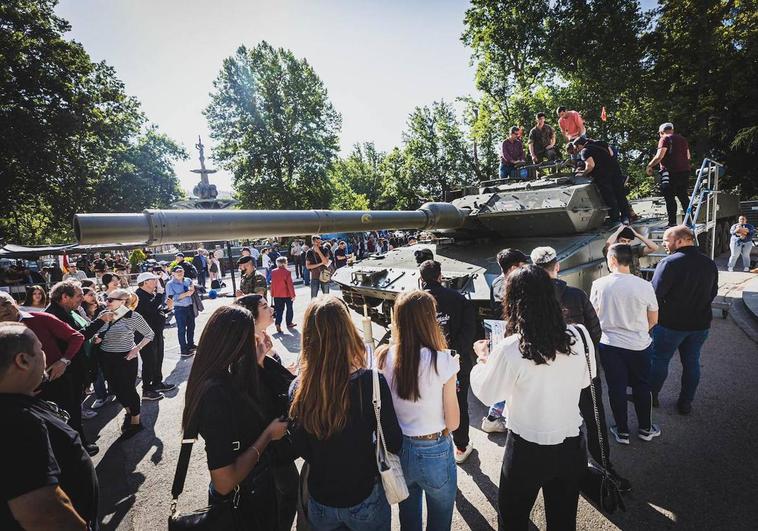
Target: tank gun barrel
155,227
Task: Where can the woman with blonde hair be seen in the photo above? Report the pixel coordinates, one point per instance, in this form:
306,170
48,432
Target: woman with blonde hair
334,422
421,373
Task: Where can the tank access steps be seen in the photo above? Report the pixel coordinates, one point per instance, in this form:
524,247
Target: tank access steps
704,195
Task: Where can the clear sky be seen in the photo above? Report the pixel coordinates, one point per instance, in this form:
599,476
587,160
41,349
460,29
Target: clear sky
378,59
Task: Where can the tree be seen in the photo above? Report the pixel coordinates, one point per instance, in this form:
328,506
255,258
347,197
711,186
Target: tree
275,128
66,123
360,172
437,156
508,42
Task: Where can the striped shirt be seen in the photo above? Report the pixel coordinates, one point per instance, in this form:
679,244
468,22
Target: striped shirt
120,334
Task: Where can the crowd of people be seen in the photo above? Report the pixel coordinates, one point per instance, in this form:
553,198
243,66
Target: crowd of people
340,399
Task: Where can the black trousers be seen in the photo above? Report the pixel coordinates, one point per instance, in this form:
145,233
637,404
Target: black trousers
528,467
624,367
461,435
121,375
612,191
299,261
66,393
286,482
677,189
588,414
152,362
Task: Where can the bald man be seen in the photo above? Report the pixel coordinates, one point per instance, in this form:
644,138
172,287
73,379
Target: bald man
685,282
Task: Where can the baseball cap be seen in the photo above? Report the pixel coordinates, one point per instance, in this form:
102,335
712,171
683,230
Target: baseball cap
177,268
665,126
244,260
145,276
543,255
179,254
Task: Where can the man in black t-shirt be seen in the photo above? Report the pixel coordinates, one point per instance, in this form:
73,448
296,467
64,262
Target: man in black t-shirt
341,255
47,480
318,259
601,163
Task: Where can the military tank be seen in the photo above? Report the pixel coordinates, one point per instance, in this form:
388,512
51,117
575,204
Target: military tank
544,205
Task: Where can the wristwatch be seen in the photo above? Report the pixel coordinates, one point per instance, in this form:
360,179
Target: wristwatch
65,361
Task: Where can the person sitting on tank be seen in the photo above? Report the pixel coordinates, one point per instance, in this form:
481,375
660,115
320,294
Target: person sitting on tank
603,166
626,234
511,154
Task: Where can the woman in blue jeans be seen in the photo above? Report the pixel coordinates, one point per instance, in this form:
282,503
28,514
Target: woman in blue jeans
334,423
421,373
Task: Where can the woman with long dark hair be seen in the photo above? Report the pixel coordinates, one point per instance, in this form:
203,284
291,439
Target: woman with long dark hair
421,373
275,382
223,404
36,297
539,369
334,422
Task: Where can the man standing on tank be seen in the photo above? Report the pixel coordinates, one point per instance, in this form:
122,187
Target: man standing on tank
600,162
455,314
673,155
542,141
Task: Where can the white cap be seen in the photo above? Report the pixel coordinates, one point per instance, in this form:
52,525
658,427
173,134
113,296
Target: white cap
663,127
542,255
145,276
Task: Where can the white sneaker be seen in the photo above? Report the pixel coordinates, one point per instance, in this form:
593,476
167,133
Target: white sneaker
100,402
87,413
746,270
493,426
730,269
460,457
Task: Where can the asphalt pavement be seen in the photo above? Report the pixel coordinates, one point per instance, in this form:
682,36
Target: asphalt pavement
699,474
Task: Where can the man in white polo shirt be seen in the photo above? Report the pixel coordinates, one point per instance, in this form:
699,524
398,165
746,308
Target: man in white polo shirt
627,308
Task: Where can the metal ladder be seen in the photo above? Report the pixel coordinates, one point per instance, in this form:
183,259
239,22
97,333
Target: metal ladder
705,193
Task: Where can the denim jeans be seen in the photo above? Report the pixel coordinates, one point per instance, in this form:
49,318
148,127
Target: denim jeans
316,284
624,367
100,390
185,327
372,514
665,342
429,468
279,304
505,171
739,250
306,276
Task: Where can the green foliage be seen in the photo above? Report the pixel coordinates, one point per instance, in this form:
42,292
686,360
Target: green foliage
692,62
275,129
136,258
437,156
358,178
70,132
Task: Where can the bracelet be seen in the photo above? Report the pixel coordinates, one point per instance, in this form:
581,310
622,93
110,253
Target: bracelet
257,452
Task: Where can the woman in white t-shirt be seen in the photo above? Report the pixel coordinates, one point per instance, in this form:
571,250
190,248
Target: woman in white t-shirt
421,373
539,369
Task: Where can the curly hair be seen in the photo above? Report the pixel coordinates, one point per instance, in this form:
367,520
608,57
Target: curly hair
531,309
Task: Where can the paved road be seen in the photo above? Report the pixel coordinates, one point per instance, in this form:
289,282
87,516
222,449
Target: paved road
700,474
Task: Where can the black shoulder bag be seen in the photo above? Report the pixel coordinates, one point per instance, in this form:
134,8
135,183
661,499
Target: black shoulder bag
597,485
223,516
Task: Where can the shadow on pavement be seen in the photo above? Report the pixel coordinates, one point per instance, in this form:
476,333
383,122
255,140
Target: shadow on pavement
120,461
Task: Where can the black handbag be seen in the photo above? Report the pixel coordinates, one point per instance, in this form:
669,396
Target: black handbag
597,485
222,516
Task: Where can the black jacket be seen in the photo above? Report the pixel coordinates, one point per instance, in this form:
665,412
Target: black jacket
577,308
455,314
189,269
88,332
150,306
197,262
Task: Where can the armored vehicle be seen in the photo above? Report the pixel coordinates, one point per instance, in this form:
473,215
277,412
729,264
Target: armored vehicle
550,206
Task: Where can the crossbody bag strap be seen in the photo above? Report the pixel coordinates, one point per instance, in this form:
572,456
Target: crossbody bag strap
381,446
190,436
603,457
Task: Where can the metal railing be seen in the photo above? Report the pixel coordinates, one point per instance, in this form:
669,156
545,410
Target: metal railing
705,193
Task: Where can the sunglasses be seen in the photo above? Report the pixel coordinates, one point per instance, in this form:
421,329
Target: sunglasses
111,299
